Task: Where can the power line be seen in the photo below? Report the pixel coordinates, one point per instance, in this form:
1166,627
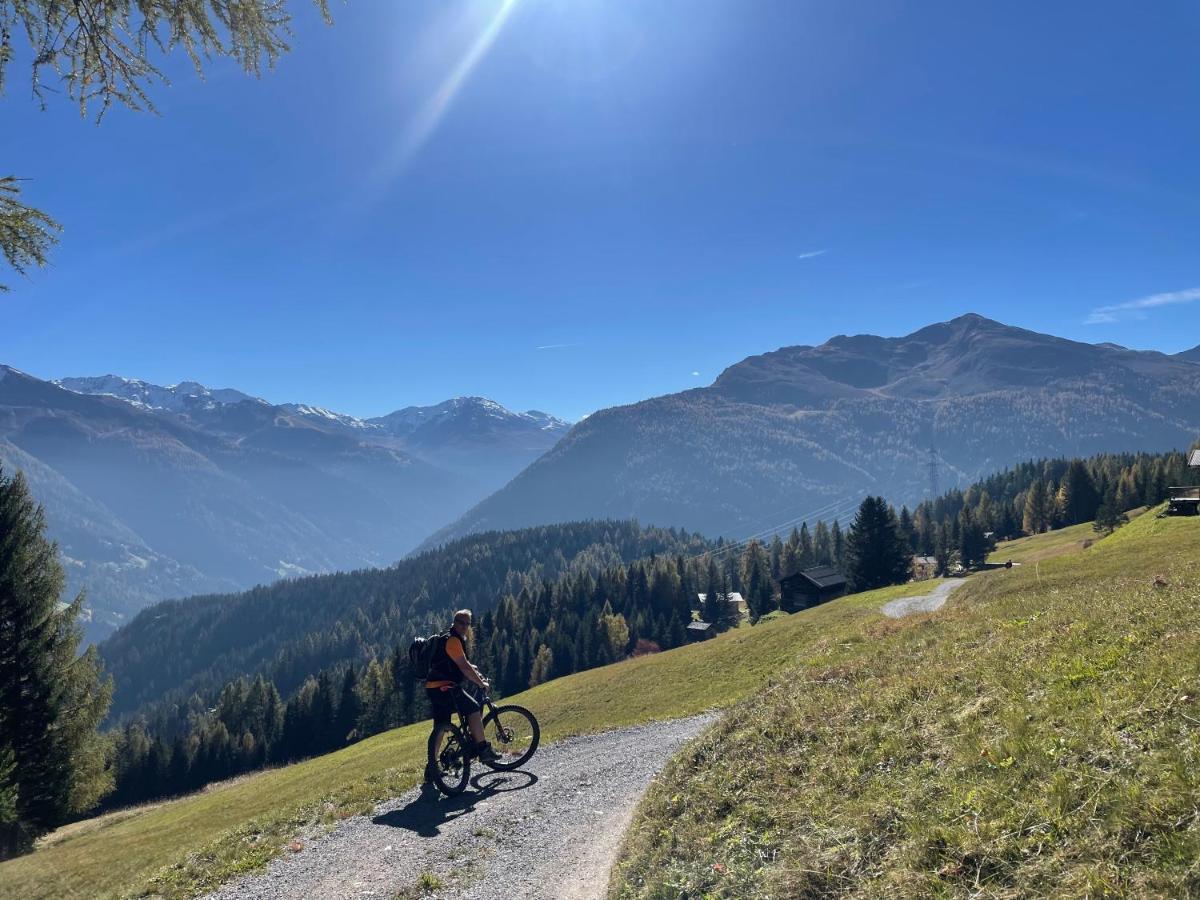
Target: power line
933,467
834,509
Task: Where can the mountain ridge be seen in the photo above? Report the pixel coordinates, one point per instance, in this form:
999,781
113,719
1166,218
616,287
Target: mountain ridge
156,492
806,427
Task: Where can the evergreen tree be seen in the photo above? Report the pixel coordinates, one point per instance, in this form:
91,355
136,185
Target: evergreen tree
1038,508
51,700
808,557
972,545
543,666
876,552
839,546
909,530
791,554
776,558
1079,496
823,544
348,709
944,549
1108,517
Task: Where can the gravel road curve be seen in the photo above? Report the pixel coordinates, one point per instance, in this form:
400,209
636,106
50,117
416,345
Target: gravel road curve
550,832
906,606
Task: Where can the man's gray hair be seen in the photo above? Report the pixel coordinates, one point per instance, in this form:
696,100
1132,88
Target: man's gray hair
463,617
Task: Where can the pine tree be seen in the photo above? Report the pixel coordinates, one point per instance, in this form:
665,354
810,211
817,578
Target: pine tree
876,552
807,555
543,666
776,558
839,546
51,700
972,545
822,545
1038,508
1079,497
909,530
944,549
348,709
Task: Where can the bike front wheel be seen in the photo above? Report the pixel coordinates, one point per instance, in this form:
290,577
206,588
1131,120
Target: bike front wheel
449,760
513,733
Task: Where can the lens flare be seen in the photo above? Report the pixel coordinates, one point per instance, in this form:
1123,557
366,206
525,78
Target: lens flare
431,113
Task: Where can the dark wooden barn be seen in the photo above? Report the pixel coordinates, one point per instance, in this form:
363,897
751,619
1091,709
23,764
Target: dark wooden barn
810,587
1183,501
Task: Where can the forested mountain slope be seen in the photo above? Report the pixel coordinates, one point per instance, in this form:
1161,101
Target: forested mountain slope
155,492
794,431
292,629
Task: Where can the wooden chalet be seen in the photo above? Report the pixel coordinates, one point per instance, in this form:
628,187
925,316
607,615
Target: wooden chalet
1183,501
699,631
924,567
810,587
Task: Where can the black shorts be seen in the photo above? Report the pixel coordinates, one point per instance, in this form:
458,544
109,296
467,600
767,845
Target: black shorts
445,703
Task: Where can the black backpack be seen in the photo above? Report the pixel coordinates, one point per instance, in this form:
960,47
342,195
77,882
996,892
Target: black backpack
421,654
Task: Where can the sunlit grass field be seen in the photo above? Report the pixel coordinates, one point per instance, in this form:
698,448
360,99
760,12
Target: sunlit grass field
187,846
1038,736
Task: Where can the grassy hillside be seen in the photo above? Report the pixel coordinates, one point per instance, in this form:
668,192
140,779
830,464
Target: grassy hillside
181,848
1039,736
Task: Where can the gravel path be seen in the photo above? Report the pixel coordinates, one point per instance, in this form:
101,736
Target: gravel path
906,606
548,833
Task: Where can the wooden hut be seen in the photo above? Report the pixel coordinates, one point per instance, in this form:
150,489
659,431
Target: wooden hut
810,587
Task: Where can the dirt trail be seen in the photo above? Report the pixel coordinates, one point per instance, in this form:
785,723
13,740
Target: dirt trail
906,606
552,831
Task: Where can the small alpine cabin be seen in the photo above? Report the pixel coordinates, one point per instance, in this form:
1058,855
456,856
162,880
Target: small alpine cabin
810,587
1185,501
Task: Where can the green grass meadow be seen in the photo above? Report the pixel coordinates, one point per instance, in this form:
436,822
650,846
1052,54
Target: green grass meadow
1037,737
188,846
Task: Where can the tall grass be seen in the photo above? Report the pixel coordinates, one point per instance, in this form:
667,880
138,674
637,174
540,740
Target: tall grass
1039,736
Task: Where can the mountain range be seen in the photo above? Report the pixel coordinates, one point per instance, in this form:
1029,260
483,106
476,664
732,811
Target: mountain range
165,491
156,492
806,431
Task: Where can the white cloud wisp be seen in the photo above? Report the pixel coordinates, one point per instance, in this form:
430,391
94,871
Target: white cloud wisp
1115,312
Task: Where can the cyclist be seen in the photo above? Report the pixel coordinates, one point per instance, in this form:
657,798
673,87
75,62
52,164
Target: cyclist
444,686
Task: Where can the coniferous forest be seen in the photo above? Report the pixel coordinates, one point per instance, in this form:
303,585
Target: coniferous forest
227,684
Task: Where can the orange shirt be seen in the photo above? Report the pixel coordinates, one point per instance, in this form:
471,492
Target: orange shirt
454,649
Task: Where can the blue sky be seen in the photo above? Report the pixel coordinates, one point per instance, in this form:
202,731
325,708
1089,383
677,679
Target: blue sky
569,204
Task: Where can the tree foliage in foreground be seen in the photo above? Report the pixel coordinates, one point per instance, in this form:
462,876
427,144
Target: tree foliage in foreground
101,52
26,234
52,760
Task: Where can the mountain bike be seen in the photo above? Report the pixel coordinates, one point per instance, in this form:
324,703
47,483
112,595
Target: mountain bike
512,730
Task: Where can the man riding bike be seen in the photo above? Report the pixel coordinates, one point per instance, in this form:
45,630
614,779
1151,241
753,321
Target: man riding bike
448,669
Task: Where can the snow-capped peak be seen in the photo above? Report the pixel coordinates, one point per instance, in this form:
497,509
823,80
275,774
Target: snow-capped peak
319,412
143,394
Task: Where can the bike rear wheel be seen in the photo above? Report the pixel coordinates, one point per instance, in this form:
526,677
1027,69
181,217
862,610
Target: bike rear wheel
451,765
514,734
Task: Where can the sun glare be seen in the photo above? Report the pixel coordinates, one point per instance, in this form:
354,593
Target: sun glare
432,111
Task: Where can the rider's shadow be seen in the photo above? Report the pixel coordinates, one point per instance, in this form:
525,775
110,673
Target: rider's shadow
425,813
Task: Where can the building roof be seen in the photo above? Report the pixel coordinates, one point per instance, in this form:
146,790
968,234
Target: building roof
699,626
925,560
1195,459
732,597
821,577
